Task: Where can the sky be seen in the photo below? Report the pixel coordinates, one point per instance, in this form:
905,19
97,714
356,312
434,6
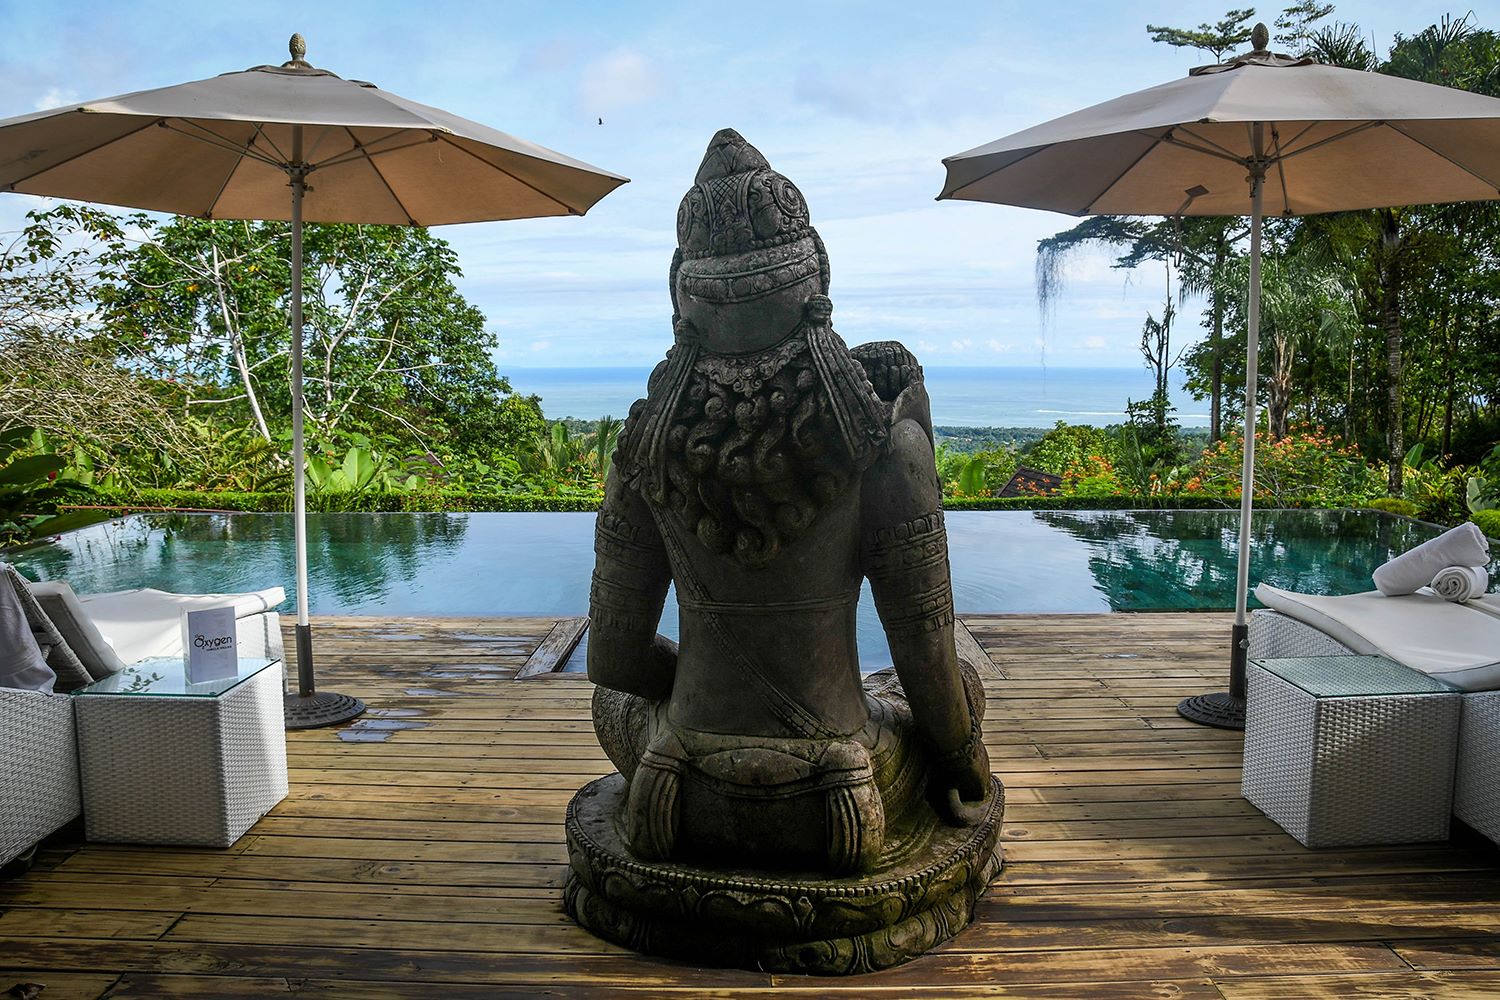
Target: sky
857,102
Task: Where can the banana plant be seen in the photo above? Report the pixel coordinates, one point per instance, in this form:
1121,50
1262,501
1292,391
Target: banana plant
359,471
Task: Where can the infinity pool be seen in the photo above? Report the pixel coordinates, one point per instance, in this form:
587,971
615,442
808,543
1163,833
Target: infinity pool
520,564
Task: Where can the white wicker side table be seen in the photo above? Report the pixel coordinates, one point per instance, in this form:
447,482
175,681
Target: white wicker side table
168,762
1346,750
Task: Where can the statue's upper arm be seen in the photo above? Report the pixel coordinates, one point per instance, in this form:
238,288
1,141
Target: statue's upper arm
903,484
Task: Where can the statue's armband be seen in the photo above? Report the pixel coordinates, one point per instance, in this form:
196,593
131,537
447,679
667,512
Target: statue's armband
629,588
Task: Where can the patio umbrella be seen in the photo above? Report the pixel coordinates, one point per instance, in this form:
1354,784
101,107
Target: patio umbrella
292,142
1262,133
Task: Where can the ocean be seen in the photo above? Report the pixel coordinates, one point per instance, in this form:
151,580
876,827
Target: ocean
1015,396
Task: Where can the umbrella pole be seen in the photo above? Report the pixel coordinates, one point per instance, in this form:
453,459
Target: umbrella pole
308,708
1226,710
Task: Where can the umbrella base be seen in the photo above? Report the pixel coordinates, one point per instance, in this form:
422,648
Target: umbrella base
322,708
1221,710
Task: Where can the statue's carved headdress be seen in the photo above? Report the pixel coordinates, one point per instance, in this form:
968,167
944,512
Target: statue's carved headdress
743,230
746,449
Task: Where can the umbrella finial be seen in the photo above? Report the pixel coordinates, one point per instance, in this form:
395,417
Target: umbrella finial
298,48
1260,37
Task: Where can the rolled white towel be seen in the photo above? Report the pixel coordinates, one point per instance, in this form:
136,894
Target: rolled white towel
1461,583
1464,545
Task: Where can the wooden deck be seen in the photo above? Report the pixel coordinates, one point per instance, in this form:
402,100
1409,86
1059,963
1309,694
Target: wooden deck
420,853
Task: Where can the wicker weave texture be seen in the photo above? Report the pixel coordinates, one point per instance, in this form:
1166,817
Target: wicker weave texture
1273,634
1476,793
38,768
194,771
1338,772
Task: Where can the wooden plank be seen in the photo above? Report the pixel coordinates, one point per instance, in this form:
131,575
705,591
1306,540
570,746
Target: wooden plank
430,864
972,653
555,648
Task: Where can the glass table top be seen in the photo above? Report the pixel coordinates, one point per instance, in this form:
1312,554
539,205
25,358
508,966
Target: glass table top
166,677
1352,676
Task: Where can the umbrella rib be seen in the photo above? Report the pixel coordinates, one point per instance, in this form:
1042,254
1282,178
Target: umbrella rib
93,149
1286,198
519,180
1206,141
387,184
1171,139
1165,137
1438,153
213,138
260,131
1355,130
233,167
364,151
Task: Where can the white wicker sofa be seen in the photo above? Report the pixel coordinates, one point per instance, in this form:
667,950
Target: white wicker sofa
85,638
1456,643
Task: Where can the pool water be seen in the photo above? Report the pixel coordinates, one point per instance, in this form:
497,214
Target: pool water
522,564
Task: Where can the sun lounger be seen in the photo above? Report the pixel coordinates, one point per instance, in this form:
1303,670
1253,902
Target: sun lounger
83,638
1453,642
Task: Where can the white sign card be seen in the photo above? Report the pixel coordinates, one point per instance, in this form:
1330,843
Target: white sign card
209,640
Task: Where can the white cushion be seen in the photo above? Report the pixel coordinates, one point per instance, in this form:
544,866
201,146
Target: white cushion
72,621
1452,642
145,623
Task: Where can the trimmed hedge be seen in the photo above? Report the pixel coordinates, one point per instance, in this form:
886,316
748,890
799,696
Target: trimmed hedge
416,501
410,501
1104,503
1394,505
430,500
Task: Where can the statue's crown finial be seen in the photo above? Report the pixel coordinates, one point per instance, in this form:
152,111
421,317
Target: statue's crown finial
1260,37
729,153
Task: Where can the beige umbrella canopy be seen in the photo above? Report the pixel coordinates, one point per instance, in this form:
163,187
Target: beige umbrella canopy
1263,132
221,148
1330,140
230,147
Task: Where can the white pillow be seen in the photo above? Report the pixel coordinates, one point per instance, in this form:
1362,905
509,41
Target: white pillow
78,631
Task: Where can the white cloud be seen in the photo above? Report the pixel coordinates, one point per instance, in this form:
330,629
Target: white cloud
55,97
1095,343
540,345
620,79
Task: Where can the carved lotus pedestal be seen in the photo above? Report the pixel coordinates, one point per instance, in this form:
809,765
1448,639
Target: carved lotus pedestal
777,922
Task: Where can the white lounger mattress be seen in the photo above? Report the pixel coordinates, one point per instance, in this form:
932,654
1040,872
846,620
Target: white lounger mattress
1456,643
144,623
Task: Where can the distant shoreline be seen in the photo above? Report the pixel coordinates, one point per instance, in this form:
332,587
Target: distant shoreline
994,398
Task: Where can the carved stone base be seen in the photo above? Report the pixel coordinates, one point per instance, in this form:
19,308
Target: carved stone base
772,922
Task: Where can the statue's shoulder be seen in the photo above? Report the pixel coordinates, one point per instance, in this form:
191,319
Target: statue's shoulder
896,376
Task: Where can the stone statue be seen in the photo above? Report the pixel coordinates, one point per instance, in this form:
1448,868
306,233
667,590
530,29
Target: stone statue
772,809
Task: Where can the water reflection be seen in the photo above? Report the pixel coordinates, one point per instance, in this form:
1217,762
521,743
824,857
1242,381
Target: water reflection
354,560
1164,560
540,564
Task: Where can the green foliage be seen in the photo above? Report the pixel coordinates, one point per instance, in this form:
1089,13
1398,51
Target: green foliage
1308,466
1219,39
1393,505
1067,445
1488,521
358,472
31,488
